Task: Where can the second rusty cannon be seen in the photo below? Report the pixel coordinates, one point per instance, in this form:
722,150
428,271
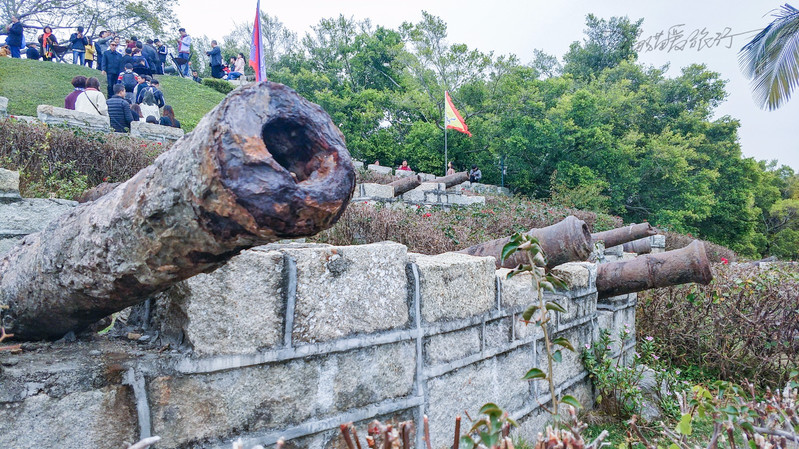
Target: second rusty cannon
624,234
565,241
680,266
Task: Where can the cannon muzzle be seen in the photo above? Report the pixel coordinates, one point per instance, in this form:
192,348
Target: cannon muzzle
565,241
624,234
454,179
406,184
265,164
676,267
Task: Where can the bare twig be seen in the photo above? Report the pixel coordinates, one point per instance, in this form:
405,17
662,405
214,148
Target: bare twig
427,433
457,442
355,437
345,431
598,440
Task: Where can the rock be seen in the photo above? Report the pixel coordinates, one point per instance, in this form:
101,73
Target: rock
380,169
9,185
3,107
97,191
158,133
60,116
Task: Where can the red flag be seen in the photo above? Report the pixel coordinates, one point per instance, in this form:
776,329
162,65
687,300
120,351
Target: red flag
452,118
256,50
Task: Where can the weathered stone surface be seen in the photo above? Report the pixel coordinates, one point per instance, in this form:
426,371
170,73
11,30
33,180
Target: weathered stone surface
433,197
427,177
380,169
497,380
27,216
530,425
237,309
56,116
404,173
344,290
615,322
188,409
158,133
431,186
414,196
576,309
497,333
517,291
357,164
443,348
454,285
658,243
576,275
382,191
9,185
524,331
465,200
367,376
3,107
104,417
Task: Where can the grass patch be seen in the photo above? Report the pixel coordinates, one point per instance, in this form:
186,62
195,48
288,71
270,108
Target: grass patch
27,84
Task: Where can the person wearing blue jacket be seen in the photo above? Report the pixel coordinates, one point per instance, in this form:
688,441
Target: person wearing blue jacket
14,39
112,65
79,43
215,55
119,113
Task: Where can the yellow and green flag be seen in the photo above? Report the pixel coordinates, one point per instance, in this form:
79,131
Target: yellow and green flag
452,118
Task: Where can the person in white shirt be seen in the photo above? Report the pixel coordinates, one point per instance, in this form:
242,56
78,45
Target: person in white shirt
91,100
184,50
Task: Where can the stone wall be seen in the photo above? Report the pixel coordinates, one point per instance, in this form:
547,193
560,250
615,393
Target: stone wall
152,131
59,116
293,340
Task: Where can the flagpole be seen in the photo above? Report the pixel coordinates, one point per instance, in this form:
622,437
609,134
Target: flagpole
445,133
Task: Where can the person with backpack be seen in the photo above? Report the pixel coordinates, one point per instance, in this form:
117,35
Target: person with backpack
142,83
128,80
112,65
79,43
91,100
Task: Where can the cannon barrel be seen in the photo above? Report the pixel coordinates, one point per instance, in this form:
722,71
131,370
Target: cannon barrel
624,234
640,246
565,241
676,267
265,164
406,184
453,179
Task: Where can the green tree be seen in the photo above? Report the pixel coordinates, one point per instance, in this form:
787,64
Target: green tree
607,44
771,59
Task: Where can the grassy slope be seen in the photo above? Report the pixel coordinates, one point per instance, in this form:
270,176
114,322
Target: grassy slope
28,84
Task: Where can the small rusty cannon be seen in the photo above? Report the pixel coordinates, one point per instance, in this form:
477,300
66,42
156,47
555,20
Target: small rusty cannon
565,241
406,184
453,179
640,246
624,234
676,267
265,164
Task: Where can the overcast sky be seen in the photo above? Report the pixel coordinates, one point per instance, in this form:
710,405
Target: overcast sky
519,27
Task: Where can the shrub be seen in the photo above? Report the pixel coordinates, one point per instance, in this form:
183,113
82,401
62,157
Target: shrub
745,324
435,231
222,86
61,161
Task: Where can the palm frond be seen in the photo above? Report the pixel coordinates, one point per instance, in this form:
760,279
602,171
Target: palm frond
771,59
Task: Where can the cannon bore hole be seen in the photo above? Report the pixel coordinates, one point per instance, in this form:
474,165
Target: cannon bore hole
293,147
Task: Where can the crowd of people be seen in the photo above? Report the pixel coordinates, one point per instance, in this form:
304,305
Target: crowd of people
130,67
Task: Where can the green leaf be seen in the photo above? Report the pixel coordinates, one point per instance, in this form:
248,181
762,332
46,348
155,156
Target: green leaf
555,306
748,427
534,374
478,423
528,314
468,443
673,446
491,409
684,426
546,285
563,341
509,249
557,356
571,400
110,326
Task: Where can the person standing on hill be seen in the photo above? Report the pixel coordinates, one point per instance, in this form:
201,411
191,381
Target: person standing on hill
119,112
101,46
79,43
89,54
184,50
14,39
91,100
215,55
79,83
112,65
151,55
162,51
47,40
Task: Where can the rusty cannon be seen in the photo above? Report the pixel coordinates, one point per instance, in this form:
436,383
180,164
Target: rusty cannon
640,246
566,241
453,179
265,164
681,266
406,184
624,234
